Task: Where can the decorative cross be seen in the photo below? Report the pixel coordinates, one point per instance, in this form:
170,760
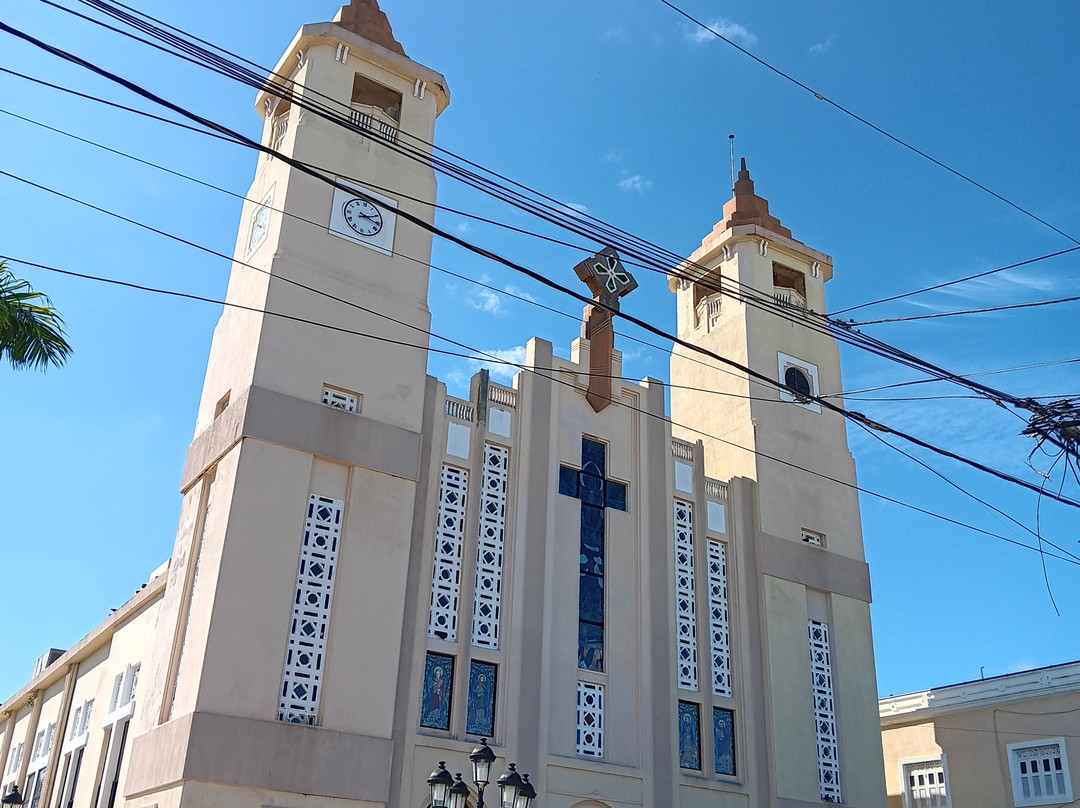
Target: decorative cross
596,493
608,281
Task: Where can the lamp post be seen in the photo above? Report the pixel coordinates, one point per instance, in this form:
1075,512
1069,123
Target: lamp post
12,798
446,792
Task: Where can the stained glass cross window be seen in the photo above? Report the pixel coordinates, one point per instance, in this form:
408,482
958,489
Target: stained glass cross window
596,493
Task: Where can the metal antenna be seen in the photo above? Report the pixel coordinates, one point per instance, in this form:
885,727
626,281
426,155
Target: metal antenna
731,141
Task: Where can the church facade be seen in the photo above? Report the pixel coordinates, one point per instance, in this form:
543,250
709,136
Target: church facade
370,576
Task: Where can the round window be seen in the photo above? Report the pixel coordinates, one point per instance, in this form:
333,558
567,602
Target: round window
798,383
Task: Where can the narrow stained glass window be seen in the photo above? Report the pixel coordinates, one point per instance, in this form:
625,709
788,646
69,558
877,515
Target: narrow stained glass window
438,684
689,735
482,682
724,740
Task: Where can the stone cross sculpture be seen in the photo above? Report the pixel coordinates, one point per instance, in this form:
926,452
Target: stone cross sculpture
608,281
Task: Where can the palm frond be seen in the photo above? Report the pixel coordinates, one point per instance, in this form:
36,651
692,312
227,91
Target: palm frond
31,330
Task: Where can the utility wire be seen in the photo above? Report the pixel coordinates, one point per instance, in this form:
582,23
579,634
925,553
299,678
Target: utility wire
536,276
554,377
496,290
1034,366
955,282
555,215
864,121
970,311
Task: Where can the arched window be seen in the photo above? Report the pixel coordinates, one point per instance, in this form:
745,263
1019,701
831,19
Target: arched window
798,383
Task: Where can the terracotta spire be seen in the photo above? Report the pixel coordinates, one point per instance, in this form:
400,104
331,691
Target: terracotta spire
746,207
365,18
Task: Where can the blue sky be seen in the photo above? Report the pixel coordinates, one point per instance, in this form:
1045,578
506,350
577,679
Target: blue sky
625,110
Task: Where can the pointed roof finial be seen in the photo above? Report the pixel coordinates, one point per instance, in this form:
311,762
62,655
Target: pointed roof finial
365,18
746,207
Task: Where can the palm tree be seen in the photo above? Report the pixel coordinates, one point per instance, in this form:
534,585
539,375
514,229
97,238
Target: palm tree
31,330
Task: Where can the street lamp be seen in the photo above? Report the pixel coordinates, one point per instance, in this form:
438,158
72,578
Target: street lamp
509,786
440,782
459,794
12,798
482,757
514,792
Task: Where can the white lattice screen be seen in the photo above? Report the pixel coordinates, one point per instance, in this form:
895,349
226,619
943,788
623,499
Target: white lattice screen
685,606
339,399
824,712
489,556
719,621
590,719
449,541
301,682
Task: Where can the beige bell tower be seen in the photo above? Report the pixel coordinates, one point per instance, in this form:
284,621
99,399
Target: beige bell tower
307,446
754,298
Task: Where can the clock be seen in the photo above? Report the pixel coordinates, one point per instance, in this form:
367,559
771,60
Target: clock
260,222
362,216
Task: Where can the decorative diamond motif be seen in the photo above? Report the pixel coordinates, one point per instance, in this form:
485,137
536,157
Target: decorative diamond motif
685,607
305,650
590,719
489,564
824,712
449,543
719,622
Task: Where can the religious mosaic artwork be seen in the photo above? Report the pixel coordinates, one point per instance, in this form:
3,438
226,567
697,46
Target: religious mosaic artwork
724,740
435,699
481,716
689,736
596,493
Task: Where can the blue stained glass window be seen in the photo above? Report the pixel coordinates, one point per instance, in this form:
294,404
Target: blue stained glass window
568,481
591,490
481,715
592,457
724,740
438,685
689,736
616,495
591,599
590,646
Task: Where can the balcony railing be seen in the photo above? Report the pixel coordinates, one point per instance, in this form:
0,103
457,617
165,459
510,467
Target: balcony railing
461,410
374,121
503,396
789,298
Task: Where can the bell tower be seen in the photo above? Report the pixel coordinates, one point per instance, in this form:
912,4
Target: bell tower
292,553
753,293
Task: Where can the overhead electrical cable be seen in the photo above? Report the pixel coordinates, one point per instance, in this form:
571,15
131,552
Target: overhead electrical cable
970,311
536,276
496,290
555,213
955,282
533,371
866,122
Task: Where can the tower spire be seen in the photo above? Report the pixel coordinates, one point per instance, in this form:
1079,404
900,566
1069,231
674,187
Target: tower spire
746,207
365,18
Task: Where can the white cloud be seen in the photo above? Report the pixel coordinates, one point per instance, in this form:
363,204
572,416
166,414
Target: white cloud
500,370
486,300
464,227
725,28
821,47
576,206
635,183
613,157
519,292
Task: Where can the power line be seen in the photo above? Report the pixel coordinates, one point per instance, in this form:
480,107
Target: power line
536,276
966,376
601,233
955,282
971,311
534,371
864,121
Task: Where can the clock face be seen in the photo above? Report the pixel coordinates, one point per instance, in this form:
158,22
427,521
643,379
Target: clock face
362,216
259,224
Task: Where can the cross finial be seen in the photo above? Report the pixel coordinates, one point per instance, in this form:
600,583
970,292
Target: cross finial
608,280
